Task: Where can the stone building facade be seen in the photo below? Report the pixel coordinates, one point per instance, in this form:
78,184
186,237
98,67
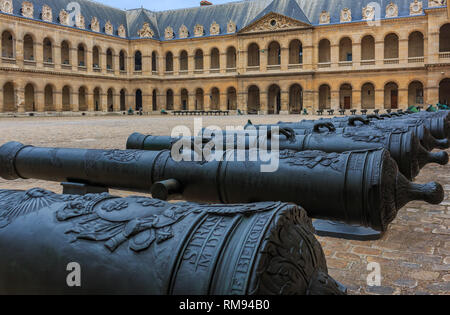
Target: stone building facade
259,56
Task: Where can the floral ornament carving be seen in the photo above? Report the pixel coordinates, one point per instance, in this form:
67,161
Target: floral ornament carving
79,21
184,32
346,15
436,3
121,31
95,25
214,29
27,9
7,6
231,27
391,10
47,14
169,33
146,31
63,17
199,30
311,159
324,17
368,13
109,29
273,22
416,7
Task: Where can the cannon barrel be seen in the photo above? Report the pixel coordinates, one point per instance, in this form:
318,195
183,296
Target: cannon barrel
404,147
139,245
363,187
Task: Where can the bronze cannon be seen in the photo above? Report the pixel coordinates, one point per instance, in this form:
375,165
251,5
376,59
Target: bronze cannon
364,187
138,245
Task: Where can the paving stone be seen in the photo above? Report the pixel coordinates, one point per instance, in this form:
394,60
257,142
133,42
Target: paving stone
381,290
366,251
424,275
406,283
446,277
440,287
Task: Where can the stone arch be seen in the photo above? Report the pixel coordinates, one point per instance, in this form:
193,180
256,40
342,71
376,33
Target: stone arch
28,47
415,93
169,61
444,91
123,60
199,99
345,96
295,99
253,55
9,97
324,96
30,97
253,103
295,52
215,59
184,61
97,99
368,96
8,44
154,61
169,99
81,54
138,100
65,52
215,99
368,48
96,52
47,46
391,95
274,99
444,38
231,57
345,49
82,99
198,57
49,98
66,98
324,51
123,100
110,59
415,44
137,60
391,46
274,54
110,99
231,98
155,100
184,99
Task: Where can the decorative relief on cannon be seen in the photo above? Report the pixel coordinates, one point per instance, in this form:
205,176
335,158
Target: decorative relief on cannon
27,9
368,13
47,14
199,30
391,10
346,15
311,159
79,21
324,17
416,7
169,33
95,24
109,29
121,31
231,27
6,6
63,17
146,31
214,29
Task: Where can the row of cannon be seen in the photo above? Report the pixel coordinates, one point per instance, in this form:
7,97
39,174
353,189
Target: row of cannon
241,231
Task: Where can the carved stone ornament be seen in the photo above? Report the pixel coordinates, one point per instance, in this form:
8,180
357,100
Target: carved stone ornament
95,25
346,15
231,27
109,29
79,21
47,14
168,33
368,13
27,9
416,7
199,30
214,29
6,6
324,17
436,3
121,31
184,32
273,22
146,31
63,17
391,10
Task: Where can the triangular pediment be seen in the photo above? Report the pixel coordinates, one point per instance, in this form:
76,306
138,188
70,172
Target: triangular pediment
273,22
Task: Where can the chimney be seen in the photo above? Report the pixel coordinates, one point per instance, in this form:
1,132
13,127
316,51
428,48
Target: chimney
205,3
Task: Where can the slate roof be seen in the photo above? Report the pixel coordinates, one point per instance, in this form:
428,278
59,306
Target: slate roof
242,13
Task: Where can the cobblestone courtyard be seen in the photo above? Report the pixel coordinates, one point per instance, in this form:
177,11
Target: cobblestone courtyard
414,254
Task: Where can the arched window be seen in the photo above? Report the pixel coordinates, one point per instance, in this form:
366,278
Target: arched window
9,97
325,52
231,99
96,58
122,61
391,96
49,98
368,96
184,99
154,62
231,58
110,100
169,100
123,95
415,45
444,38
81,55
169,62
97,99
295,99
137,61
295,52
8,50
345,50
274,99
28,48
215,99
444,91
82,99
345,96
274,55
66,98
65,53
48,50
138,99
253,102
391,46
324,96
199,60
109,59
253,55
199,99
415,94
184,64
368,50
29,98
215,59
